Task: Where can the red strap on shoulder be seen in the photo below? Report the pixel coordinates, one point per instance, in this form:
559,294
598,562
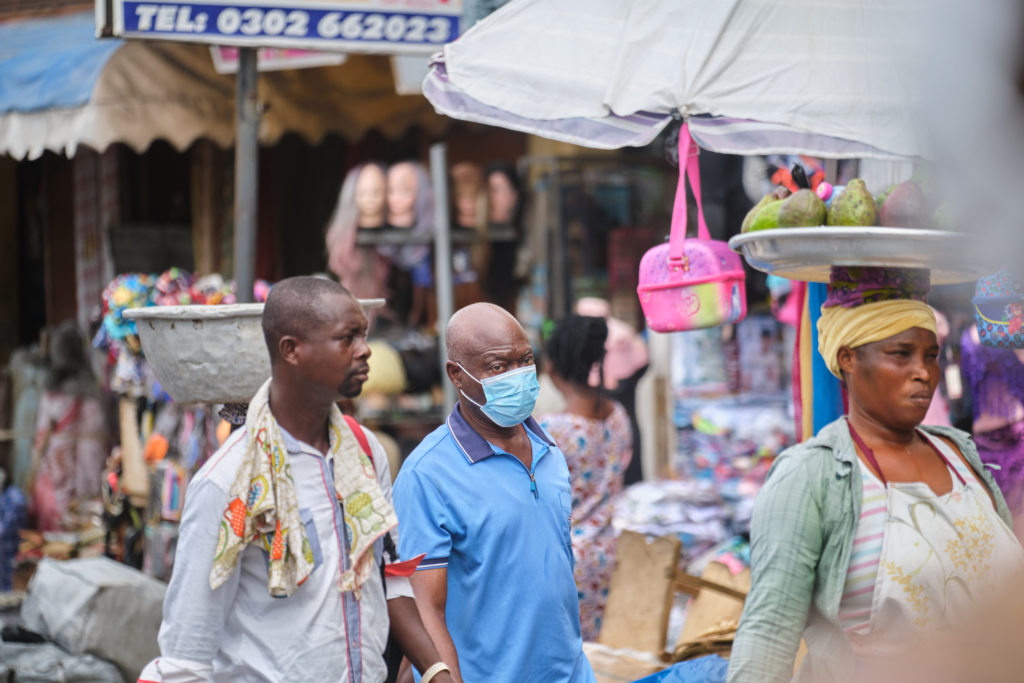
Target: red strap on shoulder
357,431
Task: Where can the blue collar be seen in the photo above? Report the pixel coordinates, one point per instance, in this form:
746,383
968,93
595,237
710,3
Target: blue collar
476,447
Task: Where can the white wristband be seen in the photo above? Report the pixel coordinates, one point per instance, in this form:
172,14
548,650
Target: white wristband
429,674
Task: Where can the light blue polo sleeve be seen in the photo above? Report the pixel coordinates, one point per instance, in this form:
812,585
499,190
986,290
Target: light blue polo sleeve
424,521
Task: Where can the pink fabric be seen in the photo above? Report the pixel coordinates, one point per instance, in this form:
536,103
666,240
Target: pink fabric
938,411
71,449
625,353
362,271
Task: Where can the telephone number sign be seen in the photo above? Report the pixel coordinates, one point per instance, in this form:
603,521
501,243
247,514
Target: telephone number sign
317,25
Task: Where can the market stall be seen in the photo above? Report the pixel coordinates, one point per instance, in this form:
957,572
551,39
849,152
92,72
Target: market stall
706,66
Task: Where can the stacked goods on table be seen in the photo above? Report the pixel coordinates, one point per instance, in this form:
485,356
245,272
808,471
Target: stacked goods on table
732,411
909,204
691,510
63,545
731,442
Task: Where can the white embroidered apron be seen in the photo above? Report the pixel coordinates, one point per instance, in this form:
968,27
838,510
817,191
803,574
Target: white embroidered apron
942,556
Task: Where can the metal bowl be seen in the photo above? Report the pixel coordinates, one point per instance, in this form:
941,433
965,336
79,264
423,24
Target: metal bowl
208,354
808,254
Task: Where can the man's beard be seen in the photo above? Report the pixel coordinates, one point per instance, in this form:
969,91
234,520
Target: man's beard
352,387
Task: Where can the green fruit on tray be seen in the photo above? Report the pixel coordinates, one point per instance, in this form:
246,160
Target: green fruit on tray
768,217
923,177
748,220
943,218
854,207
906,207
804,209
777,194
880,199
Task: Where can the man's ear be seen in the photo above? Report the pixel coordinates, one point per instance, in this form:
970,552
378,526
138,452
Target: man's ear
287,349
454,373
847,359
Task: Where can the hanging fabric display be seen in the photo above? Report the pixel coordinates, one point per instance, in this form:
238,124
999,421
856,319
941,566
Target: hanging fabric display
999,310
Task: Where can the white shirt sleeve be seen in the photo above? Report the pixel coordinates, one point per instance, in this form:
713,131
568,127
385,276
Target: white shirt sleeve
396,586
194,615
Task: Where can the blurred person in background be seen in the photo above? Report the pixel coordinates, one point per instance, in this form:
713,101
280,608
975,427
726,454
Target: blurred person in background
995,379
595,435
625,363
71,434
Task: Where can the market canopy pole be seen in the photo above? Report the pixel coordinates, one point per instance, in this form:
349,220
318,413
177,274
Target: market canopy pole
442,260
247,119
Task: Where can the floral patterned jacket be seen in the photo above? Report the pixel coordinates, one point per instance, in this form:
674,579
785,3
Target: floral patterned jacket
801,538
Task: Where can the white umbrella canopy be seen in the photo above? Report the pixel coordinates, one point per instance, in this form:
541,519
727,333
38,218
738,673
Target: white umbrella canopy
825,77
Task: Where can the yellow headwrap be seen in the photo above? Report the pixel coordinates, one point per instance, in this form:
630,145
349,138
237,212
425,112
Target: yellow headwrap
853,327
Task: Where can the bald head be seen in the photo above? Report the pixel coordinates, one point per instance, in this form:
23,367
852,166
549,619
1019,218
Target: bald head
484,341
475,328
296,306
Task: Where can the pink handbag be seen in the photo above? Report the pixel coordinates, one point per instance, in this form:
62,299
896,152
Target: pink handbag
691,284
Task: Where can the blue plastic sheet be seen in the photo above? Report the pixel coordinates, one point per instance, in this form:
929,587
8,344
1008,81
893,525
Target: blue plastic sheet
710,669
828,393
51,63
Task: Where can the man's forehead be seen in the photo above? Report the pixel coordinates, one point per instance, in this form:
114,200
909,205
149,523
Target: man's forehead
516,348
505,340
341,309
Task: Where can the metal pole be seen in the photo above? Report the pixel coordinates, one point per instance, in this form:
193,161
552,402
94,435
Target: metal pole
247,118
442,260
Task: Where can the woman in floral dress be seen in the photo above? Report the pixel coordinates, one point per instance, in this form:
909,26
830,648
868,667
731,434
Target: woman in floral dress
595,435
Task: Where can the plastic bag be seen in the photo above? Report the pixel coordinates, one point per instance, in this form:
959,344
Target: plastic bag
97,606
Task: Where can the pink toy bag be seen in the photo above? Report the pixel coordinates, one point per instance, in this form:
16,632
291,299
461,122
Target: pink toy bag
691,284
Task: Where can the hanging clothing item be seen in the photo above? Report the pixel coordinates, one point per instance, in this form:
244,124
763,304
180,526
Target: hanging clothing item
995,378
941,558
262,507
12,521
70,450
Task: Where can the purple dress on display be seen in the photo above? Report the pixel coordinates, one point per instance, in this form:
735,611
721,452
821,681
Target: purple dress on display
996,381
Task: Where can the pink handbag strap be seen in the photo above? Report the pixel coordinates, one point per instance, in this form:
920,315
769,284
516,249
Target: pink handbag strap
688,152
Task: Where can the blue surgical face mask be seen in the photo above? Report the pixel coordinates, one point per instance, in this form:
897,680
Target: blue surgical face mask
510,396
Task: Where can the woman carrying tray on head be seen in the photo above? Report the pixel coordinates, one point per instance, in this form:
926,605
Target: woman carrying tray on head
877,532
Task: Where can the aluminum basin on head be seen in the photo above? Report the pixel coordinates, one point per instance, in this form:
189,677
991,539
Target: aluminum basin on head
208,354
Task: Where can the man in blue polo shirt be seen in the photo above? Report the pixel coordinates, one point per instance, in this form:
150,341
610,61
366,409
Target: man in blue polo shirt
486,497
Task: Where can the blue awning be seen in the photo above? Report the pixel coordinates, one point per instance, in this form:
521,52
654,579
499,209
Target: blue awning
50,63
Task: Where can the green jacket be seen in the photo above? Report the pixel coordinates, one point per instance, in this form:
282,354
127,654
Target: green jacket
801,538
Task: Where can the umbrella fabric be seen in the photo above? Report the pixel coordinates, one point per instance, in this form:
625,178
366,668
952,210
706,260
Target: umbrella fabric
581,70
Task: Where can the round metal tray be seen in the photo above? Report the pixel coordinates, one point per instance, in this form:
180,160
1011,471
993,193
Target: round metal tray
808,254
